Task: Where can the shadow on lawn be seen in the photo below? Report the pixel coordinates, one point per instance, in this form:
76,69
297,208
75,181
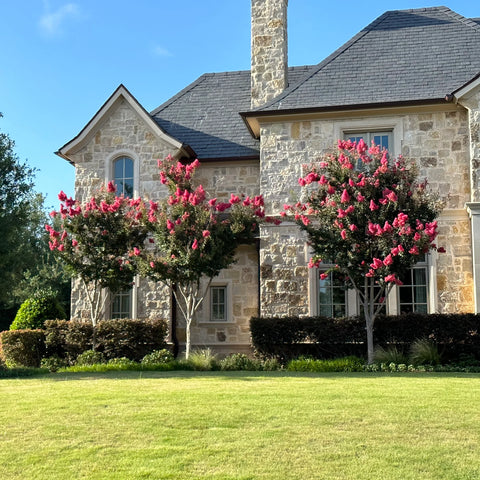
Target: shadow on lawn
247,376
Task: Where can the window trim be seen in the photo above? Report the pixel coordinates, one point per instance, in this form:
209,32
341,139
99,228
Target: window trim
113,296
109,171
352,306
342,128
207,318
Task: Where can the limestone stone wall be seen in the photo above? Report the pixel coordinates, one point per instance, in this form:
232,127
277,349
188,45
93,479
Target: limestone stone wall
269,50
438,141
241,280
123,133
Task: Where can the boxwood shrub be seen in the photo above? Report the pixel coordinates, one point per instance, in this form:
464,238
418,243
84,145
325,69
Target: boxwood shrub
34,311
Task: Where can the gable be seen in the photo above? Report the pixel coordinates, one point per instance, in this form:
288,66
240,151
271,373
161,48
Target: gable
109,107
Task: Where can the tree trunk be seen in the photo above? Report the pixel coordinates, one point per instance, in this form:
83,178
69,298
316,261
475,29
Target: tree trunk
187,338
370,350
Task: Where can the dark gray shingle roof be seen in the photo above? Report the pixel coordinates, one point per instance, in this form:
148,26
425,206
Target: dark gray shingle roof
205,114
403,56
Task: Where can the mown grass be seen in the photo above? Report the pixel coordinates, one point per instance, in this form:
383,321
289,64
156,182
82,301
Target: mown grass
240,425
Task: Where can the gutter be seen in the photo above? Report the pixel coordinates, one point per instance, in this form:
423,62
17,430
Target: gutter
252,118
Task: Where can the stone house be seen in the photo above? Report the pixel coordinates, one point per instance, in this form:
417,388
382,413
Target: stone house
410,81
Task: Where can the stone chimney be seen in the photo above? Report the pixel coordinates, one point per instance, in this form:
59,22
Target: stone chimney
269,50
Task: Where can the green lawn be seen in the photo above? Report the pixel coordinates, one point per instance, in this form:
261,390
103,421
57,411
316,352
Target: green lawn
220,425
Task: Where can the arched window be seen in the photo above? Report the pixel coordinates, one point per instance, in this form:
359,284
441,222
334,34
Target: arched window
123,176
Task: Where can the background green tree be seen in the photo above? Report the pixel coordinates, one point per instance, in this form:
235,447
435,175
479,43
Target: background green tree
22,239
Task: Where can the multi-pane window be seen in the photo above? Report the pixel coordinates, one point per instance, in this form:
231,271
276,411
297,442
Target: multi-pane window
413,294
122,304
123,176
332,296
218,304
382,139
380,304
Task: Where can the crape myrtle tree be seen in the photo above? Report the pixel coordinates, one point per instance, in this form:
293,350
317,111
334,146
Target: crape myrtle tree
194,236
369,216
100,242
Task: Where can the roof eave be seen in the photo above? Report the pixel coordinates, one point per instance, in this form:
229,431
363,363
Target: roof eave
253,119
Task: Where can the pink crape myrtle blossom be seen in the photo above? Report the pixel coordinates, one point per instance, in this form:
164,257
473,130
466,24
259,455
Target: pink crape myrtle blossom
373,222
196,235
100,241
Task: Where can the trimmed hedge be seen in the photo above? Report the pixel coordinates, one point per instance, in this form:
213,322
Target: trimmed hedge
67,339
117,338
322,337
22,348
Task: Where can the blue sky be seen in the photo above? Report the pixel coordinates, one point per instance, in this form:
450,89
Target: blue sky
62,59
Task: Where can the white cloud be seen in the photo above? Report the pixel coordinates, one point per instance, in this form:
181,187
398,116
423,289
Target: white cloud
51,22
161,51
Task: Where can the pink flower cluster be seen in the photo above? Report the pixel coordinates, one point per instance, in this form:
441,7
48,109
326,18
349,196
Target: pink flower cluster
176,172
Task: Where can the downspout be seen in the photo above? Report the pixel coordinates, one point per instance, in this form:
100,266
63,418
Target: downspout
257,244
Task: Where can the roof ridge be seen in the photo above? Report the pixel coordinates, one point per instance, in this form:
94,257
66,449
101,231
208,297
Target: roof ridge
467,21
343,48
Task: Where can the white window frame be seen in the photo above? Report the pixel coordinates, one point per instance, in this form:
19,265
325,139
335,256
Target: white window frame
227,285
392,300
109,170
113,298
342,128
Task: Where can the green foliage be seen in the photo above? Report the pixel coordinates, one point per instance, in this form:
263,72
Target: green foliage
53,363
290,337
346,364
22,348
122,363
285,338
34,311
390,354
21,223
240,361
158,356
424,352
99,242
130,338
19,372
114,338
68,339
90,357
203,360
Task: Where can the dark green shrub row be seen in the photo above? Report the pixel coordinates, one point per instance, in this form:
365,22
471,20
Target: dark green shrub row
118,338
66,340
22,348
321,337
